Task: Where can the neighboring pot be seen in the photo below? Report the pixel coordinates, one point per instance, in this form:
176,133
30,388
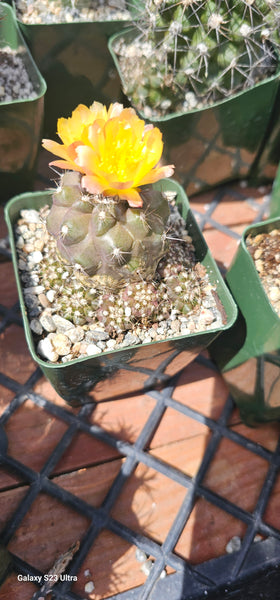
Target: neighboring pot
275,194
75,61
20,120
249,355
153,362
219,143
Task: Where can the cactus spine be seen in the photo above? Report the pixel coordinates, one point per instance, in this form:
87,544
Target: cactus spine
190,53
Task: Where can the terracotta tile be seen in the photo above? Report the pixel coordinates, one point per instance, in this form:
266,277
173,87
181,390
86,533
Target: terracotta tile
90,484
111,566
174,427
47,530
33,434
236,474
185,455
12,588
149,502
44,388
84,450
8,293
124,418
16,361
207,533
266,435
6,397
8,479
222,246
3,226
271,514
202,389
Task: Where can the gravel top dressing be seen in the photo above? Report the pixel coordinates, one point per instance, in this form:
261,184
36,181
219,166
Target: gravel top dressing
70,320
57,11
15,83
265,251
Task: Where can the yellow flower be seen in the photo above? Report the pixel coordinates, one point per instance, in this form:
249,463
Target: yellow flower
73,132
116,152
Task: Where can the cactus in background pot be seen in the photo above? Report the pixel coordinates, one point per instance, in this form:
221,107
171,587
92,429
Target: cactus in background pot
105,216
192,53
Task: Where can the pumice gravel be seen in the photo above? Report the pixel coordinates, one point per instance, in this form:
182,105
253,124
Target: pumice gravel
69,320
15,83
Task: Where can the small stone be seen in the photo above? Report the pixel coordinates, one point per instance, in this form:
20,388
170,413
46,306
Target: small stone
97,335
146,567
31,301
89,587
111,344
234,544
274,293
130,340
47,322
36,326
35,257
30,215
46,350
62,325
140,555
61,344
76,335
35,289
43,300
92,349
175,326
50,295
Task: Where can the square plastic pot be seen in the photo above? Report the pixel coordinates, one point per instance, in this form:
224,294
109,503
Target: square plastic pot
249,355
76,64
275,193
161,359
20,120
219,143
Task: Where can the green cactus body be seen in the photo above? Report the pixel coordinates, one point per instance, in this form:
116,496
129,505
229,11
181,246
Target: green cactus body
110,242
209,48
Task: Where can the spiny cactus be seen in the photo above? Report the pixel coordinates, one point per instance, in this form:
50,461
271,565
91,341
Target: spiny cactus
193,52
109,240
105,217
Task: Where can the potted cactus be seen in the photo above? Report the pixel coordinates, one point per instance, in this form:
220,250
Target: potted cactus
22,90
249,357
207,73
68,40
115,274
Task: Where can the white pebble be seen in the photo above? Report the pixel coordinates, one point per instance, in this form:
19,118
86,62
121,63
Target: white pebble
35,257
45,349
50,295
61,344
234,544
93,349
89,587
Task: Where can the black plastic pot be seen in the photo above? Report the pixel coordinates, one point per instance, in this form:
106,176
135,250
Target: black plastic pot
249,355
219,143
75,61
77,377
20,120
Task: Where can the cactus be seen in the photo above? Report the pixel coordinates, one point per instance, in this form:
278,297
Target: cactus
109,240
190,53
105,216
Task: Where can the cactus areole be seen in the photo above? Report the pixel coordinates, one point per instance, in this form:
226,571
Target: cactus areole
106,218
